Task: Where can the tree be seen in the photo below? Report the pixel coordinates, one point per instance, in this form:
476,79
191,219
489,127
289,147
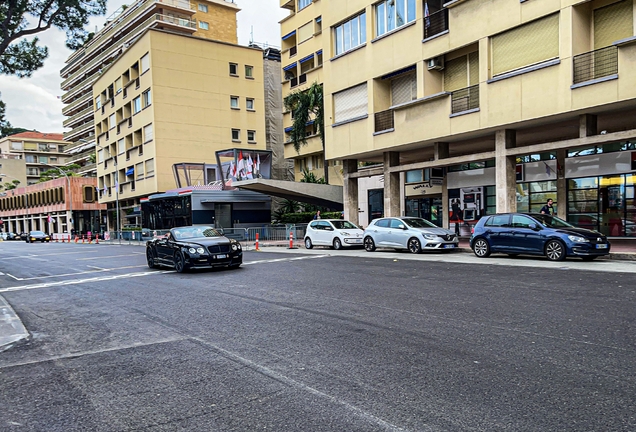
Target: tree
309,177
20,19
10,185
304,105
54,173
5,126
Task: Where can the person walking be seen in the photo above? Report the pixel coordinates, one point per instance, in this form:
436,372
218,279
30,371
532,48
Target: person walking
317,215
548,208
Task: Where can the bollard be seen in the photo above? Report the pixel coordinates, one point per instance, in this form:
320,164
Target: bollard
90,239
76,239
82,238
291,240
257,242
97,239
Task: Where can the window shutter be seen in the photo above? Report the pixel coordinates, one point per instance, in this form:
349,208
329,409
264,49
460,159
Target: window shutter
473,68
306,31
612,23
403,89
526,45
456,74
350,103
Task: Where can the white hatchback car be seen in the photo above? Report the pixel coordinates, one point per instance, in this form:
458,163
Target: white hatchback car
336,233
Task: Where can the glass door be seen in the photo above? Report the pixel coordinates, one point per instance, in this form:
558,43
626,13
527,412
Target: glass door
612,205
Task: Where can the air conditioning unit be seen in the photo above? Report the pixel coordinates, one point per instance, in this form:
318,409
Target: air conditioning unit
436,63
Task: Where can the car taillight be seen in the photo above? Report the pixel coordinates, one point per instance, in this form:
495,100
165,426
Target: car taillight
472,230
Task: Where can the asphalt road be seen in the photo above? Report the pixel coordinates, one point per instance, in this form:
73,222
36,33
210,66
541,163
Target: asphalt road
317,341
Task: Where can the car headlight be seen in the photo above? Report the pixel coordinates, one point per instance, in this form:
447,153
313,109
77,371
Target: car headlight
346,234
429,236
234,247
200,250
192,250
577,239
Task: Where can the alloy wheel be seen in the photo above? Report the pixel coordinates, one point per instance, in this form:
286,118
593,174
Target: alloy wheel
337,244
179,263
308,243
414,246
554,251
150,258
481,248
369,244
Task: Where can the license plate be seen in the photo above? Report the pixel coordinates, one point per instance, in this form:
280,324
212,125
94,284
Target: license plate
357,240
449,246
601,246
220,256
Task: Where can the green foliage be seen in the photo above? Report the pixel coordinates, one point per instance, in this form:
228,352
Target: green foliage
54,173
306,217
5,126
10,185
304,105
309,177
92,158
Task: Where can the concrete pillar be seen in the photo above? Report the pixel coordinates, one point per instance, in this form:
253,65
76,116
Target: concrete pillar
441,150
445,203
506,177
587,125
350,191
391,185
562,190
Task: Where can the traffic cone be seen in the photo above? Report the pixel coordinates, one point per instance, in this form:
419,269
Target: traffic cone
96,239
76,239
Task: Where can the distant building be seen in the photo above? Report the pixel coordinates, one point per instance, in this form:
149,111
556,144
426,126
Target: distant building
40,152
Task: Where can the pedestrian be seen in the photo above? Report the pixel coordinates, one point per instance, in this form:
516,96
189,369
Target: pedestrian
548,209
317,215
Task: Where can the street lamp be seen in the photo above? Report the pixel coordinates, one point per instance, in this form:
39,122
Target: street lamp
118,234
26,203
70,192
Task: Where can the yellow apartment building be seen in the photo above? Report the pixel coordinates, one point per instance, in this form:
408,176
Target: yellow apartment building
302,64
172,98
471,107
39,151
211,19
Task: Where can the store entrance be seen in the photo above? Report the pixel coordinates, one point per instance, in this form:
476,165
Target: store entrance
430,209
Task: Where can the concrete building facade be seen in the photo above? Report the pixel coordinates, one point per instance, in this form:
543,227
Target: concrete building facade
478,106
39,151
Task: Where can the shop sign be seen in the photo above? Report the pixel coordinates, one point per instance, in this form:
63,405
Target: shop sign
422,189
436,181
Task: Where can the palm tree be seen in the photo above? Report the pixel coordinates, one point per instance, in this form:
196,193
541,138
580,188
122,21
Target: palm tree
304,105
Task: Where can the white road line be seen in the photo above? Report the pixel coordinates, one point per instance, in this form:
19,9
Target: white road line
101,257
80,281
285,259
73,274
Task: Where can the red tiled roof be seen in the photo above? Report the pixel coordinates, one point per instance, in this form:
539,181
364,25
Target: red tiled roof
39,135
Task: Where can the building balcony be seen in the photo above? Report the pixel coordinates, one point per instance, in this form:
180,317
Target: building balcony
79,131
436,23
89,170
313,146
595,64
83,83
466,99
82,115
78,105
88,142
288,4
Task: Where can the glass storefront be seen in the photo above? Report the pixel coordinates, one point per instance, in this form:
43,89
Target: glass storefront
532,196
605,204
430,209
376,203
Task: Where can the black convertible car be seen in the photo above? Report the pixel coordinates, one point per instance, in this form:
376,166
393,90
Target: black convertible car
190,247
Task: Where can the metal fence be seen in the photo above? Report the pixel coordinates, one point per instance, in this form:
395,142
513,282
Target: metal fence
436,23
595,64
384,120
465,99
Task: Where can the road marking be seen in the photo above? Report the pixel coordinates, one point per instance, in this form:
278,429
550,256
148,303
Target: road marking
80,281
101,257
73,274
285,259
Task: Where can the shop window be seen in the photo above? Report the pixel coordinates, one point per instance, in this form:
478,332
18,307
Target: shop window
532,196
414,176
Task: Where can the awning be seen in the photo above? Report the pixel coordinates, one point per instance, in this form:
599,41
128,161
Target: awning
130,171
319,52
288,35
305,59
311,193
400,72
291,66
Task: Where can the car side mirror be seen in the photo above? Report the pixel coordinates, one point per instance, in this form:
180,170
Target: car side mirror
220,230
402,226
533,227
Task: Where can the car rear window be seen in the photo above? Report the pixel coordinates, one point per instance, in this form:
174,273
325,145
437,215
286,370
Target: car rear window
498,221
383,223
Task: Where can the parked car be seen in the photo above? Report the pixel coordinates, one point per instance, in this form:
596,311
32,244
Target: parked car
414,234
536,234
190,247
336,233
38,236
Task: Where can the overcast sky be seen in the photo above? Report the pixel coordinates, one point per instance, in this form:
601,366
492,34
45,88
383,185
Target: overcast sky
33,103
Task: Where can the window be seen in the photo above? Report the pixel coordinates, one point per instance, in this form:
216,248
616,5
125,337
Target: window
29,159
612,23
53,159
414,176
121,146
148,133
519,221
461,72
145,63
150,167
16,145
139,169
233,69
302,4
526,45
203,25
404,88
234,102
351,103
318,24
111,121
305,32
202,8
136,104
251,136
351,34
392,14
498,221
118,85
249,71
236,134
100,156
43,159
249,104
98,102
147,98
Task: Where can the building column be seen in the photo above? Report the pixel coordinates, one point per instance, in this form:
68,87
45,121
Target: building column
562,190
350,191
391,185
506,177
442,150
587,125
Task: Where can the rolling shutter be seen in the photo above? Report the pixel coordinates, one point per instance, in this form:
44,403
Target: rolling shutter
403,89
473,68
306,31
350,103
526,45
456,74
612,23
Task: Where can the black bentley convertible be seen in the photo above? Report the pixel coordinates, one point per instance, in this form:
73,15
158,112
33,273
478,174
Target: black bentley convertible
190,247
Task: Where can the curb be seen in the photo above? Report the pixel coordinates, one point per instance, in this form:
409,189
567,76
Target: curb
12,330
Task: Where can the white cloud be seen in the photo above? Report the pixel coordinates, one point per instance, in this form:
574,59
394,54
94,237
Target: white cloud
33,103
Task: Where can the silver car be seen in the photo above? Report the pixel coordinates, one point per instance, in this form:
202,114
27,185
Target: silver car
414,234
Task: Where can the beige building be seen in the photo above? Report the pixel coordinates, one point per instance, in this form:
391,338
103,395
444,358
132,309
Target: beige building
12,169
473,107
39,152
168,99
212,19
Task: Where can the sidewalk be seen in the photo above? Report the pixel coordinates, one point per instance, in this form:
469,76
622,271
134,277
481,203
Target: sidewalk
11,329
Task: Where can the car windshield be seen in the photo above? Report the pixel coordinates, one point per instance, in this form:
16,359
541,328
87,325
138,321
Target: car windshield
37,233
342,224
551,221
418,223
194,232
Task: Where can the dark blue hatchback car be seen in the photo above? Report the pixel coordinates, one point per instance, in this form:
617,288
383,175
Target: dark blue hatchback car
536,234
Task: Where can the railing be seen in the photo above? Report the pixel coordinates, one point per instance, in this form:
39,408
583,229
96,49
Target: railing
384,120
85,141
595,64
465,99
76,103
436,23
293,51
293,82
70,120
182,22
82,128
